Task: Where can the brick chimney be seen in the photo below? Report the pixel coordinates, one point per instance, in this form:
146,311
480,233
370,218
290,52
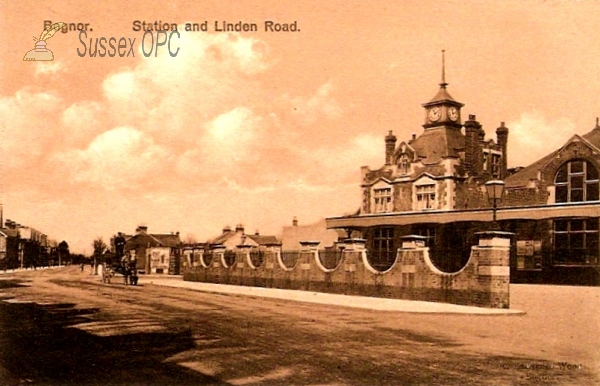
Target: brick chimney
390,146
502,139
239,228
473,152
141,228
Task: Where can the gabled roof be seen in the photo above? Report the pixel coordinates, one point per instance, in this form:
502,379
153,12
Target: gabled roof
380,178
593,137
521,178
404,147
165,240
10,232
168,240
222,238
531,172
262,240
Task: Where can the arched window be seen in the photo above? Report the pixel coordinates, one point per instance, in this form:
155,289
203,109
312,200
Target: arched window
576,181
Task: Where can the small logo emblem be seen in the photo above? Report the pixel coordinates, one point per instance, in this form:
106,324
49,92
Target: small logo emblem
40,52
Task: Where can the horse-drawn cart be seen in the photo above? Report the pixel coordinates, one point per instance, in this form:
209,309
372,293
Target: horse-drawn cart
127,269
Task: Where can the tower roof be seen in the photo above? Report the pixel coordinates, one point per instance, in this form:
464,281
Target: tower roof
442,95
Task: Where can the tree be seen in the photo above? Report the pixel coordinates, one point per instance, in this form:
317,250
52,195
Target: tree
100,248
190,239
63,252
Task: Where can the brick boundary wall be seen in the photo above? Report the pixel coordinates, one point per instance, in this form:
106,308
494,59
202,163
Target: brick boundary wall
483,281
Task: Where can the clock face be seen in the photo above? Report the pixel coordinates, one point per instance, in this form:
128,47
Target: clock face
453,113
435,114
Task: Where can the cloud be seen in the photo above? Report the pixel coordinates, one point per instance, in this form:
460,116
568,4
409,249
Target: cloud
121,157
29,129
169,133
318,106
533,136
50,67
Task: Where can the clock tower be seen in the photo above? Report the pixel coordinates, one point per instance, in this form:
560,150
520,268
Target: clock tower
442,110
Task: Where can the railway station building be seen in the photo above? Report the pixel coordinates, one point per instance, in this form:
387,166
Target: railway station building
434,185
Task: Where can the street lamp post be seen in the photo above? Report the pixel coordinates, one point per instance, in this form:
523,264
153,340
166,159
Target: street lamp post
494,189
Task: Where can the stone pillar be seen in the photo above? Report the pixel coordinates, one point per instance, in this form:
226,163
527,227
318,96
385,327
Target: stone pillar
272,255
409,256
308,253
242,256
198,258
354,245
218,252
493,267
354,253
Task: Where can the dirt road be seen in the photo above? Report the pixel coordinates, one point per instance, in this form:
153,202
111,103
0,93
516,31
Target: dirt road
64,327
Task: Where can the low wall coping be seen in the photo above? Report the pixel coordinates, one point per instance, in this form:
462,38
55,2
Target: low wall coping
355,241
413,241
413,237
272,244
310,244
494,238
490,234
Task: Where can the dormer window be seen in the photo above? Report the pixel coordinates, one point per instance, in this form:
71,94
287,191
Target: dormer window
383,200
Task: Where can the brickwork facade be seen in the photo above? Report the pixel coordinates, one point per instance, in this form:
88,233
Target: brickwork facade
483,281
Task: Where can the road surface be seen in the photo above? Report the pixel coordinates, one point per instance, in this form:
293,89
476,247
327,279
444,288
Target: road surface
64,327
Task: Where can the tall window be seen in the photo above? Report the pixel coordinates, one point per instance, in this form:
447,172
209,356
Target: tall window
382,253
495,164
576,181
383,200
491,163
425,196
576,241
404,163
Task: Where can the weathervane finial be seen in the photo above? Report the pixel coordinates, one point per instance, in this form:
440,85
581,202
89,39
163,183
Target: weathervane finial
443,84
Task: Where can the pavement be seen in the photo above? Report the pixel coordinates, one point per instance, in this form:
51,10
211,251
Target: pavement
364,302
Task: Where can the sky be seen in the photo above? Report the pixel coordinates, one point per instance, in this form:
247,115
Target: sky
258,127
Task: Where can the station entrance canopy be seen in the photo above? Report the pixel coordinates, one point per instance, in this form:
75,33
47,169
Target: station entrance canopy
541,212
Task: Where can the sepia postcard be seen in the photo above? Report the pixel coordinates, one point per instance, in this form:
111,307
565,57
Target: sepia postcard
309,192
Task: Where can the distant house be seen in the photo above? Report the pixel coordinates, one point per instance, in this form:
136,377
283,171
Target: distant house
141,243
231,238
291,236
12,248
3,241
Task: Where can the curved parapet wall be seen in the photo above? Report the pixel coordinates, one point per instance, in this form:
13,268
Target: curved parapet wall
483,281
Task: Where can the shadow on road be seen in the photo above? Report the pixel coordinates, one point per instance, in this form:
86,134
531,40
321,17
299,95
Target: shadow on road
4,284
39,348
